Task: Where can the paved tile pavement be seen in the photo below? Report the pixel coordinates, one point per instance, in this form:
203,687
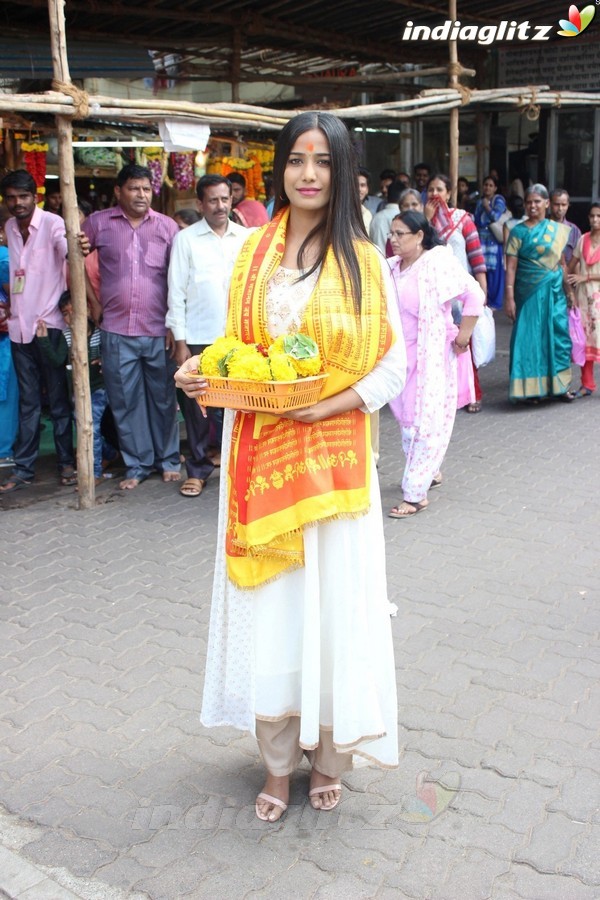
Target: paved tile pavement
110,788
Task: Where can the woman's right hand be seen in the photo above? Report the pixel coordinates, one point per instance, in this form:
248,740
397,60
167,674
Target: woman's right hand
186,378
510,308
576,279
430,210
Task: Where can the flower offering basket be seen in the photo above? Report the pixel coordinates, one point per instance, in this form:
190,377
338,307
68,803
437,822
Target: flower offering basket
262,396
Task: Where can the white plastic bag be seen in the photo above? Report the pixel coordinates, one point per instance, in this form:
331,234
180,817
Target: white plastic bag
483,339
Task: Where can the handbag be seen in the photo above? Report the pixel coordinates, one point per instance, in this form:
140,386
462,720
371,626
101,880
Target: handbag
483,339
497,227
577,337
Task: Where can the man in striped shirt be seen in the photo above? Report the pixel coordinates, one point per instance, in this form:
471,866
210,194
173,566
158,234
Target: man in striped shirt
134,246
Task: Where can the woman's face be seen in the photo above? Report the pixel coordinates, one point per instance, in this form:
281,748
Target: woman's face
404,242
536,206
462,186
307,176
488,188
594,218
437,189
411,202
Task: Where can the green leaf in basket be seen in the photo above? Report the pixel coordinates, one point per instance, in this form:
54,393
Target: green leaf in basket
223,363
300,346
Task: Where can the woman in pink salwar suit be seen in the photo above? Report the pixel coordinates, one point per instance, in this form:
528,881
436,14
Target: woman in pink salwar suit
428,278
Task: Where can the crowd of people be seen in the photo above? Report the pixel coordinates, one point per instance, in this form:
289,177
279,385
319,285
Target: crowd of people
157,289
299,649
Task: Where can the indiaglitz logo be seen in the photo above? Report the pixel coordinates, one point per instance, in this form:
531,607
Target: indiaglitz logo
577,22
505,30
481,34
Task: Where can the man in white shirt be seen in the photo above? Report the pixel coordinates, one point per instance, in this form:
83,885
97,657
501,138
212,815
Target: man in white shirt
380,226
202,259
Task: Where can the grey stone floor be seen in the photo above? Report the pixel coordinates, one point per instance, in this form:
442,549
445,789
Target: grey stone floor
110,788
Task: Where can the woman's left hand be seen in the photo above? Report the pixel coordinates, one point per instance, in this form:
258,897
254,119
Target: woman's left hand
307,414
458,349
576,279
324,409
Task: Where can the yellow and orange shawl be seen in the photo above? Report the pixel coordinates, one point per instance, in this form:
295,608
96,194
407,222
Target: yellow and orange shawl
284,475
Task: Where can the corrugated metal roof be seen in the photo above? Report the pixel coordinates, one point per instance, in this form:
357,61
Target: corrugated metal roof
238,40
30,58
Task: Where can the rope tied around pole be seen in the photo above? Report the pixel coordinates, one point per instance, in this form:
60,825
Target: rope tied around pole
455,68
465,93
531,109
81,100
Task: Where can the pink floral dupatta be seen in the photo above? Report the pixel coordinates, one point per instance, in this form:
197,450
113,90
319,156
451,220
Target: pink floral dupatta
440,278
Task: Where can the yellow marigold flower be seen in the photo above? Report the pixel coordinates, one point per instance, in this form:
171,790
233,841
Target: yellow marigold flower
282,367
249,365
210,358
277,345
306,367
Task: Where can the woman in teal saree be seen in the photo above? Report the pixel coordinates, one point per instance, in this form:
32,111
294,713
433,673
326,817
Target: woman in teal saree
540,347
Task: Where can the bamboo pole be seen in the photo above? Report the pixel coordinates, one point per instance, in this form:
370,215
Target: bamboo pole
79,349
235,116
454,114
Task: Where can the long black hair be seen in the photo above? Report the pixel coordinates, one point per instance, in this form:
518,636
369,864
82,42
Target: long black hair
342,223
416,221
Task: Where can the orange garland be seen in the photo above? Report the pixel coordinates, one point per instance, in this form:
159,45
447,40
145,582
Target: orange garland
250,168
35,163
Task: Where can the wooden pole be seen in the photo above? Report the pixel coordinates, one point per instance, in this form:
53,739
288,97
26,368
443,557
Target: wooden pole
79,351
236,62
454,124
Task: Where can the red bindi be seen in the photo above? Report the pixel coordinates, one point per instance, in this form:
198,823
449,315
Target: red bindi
310,147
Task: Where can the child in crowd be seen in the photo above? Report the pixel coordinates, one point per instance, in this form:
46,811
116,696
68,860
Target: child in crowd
104,453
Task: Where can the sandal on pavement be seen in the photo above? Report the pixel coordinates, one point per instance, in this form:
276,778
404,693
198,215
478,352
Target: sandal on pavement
68,477
437,480
324,789
14,483
406,509
567,397
275,814
582,392
474,407
192,487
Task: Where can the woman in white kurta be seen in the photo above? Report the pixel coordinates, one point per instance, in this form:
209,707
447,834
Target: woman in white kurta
304,659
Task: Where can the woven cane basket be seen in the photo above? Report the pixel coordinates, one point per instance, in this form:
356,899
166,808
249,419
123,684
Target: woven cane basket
262,396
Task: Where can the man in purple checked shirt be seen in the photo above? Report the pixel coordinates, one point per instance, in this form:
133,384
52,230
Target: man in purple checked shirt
134,245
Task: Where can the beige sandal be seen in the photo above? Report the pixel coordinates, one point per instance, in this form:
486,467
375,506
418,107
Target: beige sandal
192,487
324,789
274,815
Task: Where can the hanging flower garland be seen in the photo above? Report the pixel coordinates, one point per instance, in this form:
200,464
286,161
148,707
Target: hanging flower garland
156,160
35,163
250,168
183,170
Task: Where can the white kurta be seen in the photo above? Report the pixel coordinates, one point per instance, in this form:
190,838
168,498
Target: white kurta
317,641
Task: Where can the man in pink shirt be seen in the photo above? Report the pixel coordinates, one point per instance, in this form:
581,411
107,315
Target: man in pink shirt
134,246
249,213
37,248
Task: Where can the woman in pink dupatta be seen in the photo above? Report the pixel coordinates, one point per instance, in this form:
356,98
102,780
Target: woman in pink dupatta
584,278
428,278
